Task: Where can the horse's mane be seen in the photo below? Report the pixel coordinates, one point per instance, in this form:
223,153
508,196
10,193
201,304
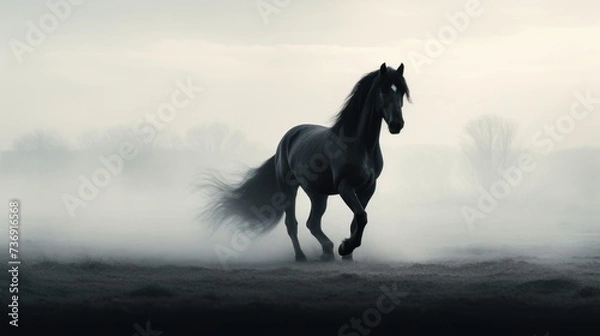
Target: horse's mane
349,115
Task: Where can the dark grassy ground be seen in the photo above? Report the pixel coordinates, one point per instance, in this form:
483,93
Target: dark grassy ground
501,297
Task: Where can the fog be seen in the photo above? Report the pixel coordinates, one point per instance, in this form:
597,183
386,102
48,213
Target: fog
148,210
498,101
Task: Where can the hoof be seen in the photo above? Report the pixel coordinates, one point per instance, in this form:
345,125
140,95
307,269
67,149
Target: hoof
327,257
344,249
301,258
347,257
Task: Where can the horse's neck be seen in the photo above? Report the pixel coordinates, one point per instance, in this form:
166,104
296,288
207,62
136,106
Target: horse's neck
365,131
369,128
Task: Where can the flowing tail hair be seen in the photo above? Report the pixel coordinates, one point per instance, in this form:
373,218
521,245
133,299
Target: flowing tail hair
247,205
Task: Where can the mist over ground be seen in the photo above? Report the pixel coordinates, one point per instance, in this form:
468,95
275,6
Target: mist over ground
136,253
148,209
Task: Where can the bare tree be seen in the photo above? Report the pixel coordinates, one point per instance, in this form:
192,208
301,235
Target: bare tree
489,144
170,140
105,140
40,140
214,139
41,152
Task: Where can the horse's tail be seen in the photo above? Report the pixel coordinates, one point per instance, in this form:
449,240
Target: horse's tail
247,205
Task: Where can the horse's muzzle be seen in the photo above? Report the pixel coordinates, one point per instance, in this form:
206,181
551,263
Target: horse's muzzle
395,127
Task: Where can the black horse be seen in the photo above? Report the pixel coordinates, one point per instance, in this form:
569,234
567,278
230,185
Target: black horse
344,159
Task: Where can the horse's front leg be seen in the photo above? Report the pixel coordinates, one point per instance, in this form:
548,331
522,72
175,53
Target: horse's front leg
357,203
364,196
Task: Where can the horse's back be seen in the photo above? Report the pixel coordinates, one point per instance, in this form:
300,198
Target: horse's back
302,150
306,132
305,137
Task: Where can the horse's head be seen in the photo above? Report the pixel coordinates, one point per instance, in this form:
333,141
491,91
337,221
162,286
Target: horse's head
390,96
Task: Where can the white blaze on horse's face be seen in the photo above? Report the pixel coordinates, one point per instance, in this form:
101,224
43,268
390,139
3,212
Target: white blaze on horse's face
400,99
392,108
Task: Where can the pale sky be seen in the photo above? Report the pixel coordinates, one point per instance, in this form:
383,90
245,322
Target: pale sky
111,62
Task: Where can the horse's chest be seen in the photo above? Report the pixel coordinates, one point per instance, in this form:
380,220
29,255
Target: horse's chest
361,171
373,167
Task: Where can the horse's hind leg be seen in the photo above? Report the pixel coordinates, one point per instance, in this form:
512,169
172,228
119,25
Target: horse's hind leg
292,224
317,209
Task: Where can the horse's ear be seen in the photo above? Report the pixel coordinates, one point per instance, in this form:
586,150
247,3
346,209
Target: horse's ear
401,69
383,69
